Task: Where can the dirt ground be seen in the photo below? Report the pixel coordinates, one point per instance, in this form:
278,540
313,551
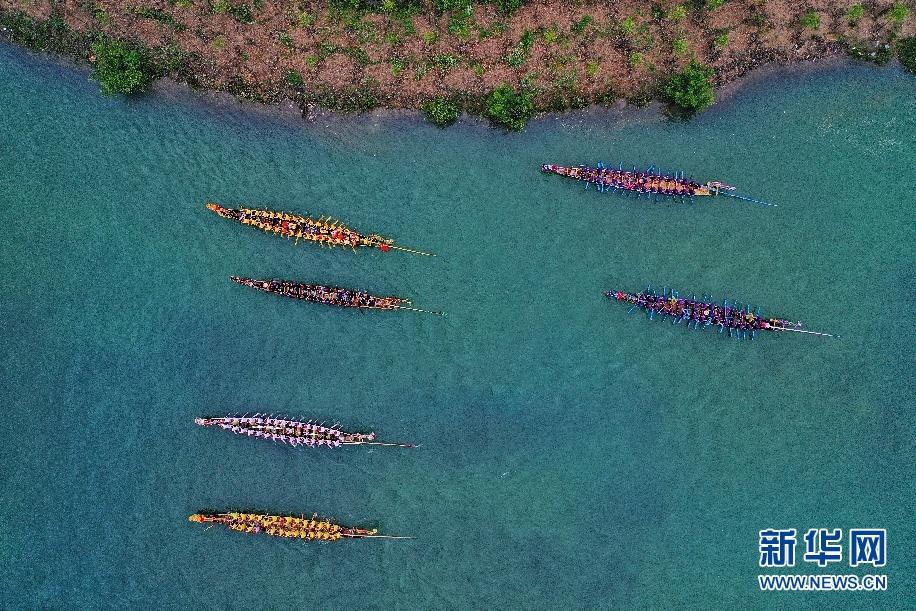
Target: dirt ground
571,53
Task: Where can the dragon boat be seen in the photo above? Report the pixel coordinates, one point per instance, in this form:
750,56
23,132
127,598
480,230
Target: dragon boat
324,230
330,295
652,182
288,527
738,320
294,432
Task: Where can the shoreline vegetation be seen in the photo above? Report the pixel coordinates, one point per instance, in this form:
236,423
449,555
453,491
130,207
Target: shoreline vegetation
506,60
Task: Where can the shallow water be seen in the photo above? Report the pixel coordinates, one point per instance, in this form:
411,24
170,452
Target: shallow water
573,456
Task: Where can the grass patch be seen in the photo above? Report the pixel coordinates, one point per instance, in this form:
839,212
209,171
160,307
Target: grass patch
810,21
304,19
579,27
359,55
294,79
898,13
677,13
855,14
242,12
679,45
445,62
102,17
160,17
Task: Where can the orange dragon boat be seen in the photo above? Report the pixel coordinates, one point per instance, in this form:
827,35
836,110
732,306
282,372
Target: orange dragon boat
288,527
323,230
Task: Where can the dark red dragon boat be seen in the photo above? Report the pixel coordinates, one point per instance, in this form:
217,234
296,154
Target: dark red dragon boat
651,182
329,295
738,320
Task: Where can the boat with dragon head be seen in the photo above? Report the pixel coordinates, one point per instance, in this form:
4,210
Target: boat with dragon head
287,527
324,231
295,433
740,321
652,183
330,295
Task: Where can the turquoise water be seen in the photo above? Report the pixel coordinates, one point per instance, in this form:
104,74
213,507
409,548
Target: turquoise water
572,456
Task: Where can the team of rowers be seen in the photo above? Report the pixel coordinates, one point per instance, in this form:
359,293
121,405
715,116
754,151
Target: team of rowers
639,182
328,295
701,312
282,526
301,227
291,432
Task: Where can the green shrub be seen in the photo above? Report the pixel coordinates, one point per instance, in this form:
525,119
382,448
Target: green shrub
507,7
441,111
359,54
102,16
304,19
591,69
120,67
460,23
628,25
856,12
680,45
898,12
906,52
721,41
285,39
242,12
445,62
712,5
635,59
810,20
691,89
579,27
397,66
516,57
677,13
478,68
294,79
430,37
449,5
509,108
160,16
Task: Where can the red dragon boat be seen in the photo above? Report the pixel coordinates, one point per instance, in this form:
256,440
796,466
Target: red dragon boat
329,295
324,231
288,527
293,432
739,321
651,182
